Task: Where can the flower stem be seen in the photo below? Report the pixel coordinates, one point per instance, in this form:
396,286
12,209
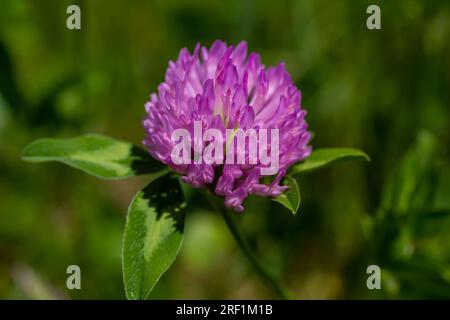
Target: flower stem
268,279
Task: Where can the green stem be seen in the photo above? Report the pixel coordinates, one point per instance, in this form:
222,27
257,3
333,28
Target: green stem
268,279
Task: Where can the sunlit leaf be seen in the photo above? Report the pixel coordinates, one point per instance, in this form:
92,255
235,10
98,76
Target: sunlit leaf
324,157
95,154
153,235
291,197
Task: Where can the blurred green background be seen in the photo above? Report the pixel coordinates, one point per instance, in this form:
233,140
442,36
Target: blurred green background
385,92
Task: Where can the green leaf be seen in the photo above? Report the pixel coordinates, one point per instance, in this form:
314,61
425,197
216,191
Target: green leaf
412,186
95,154
421,278
153,235
291,197
324,157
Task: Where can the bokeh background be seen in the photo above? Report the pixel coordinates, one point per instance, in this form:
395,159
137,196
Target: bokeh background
385,92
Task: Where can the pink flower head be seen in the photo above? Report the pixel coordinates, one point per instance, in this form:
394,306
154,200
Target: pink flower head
221,88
